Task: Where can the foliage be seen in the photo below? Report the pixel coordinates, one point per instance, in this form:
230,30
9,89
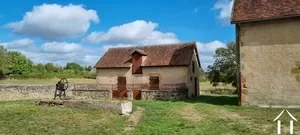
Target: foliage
3,61
203,76
88,68
16,65
19,64
225,66
74,66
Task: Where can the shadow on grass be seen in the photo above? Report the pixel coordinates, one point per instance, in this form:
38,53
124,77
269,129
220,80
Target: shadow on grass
214,100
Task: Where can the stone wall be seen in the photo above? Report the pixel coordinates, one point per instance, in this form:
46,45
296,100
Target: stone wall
164,94
91,91
20,91
81,91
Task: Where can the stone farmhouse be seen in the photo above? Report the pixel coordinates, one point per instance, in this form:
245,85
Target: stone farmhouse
268,44
151,67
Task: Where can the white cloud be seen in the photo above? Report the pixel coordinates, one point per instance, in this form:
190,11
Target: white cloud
207,51
106,47
56,52
61,47
137,32
224,7
18,44
53,21
63,52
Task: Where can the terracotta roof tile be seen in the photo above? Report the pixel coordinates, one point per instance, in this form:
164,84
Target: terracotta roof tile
257,10
179,54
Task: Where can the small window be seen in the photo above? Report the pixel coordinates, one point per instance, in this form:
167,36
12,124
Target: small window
193,68
154,83
137,71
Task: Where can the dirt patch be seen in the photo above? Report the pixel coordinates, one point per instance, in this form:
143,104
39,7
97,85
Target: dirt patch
231,115
243,120
190,113
134,119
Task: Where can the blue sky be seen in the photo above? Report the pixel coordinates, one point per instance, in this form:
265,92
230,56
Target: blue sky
81,31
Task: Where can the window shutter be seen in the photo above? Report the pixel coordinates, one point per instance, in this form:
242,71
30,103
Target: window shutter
154,83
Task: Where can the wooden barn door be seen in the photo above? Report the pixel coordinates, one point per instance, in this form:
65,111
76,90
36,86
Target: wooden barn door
122,87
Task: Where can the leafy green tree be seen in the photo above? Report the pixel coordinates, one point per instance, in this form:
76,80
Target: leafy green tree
88,68
3,62
202,75
74,66
18,64
40,68
225,66
50,67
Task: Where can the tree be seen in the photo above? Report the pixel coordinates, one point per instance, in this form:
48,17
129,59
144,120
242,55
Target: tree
202,75
40,68
18,64
3,62
225,66
50,67
74,66
88,68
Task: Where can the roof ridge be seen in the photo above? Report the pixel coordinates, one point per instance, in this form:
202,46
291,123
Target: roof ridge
156,45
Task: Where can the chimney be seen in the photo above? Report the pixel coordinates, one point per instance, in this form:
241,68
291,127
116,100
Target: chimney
137,59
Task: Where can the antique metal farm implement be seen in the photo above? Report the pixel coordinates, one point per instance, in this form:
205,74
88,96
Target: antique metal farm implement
61,88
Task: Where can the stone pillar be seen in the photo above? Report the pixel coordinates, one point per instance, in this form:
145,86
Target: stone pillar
129,94
143,94
110,94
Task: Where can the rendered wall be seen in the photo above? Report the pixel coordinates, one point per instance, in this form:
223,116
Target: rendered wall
167,75
270,62
191,77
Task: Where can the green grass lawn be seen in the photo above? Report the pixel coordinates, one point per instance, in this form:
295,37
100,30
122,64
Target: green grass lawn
208,114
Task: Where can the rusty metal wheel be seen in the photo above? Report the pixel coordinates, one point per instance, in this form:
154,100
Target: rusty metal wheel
64,83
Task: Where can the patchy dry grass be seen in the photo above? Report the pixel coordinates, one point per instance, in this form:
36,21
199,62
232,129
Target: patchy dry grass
209,114
24,117
189,112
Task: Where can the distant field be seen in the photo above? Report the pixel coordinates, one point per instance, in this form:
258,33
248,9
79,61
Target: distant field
47,81
206,87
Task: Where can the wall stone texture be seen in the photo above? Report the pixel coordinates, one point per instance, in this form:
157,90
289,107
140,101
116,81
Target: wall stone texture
92,94
82,91
164,94
91,91
19,91
270,63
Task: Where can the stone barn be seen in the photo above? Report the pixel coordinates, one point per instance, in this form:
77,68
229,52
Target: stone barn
151,67
268,44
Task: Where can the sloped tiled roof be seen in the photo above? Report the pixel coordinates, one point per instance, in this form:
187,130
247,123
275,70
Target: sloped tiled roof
258,10
179,54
